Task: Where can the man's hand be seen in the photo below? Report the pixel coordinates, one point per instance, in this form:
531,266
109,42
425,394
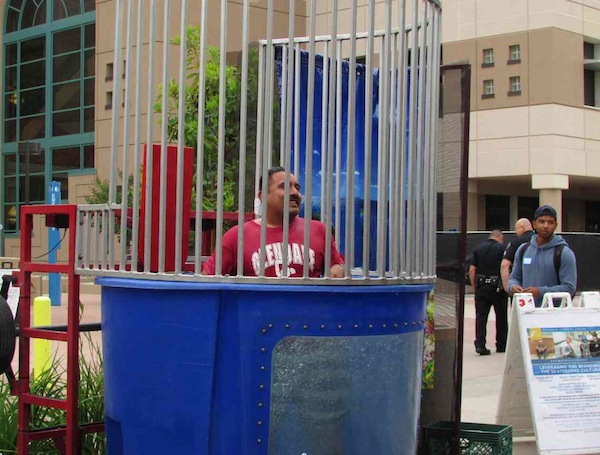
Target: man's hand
337,271
516,289
505,272
533,290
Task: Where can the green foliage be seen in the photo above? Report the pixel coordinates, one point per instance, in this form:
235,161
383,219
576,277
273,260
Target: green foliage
210,120
99,192
52,383
100,189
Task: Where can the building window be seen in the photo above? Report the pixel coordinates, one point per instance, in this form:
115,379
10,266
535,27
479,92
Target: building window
592,216
591,75
110,69
488,88
589,50
589,87
49,98
526,206
488,58
497,212
515,85
514,54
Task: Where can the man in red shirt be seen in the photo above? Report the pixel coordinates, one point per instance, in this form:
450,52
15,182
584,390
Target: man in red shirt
274,244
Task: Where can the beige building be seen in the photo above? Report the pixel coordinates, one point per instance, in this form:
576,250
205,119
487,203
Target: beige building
535,117
535,130
58,81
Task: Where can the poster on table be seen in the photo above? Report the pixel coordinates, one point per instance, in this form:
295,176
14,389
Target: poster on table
561,354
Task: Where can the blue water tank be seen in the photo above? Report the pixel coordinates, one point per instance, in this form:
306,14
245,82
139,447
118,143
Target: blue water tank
212,368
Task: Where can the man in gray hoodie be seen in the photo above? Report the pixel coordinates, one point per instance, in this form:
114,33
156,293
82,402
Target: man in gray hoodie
535,269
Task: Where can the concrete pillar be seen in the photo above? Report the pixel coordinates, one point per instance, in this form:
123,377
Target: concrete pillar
472,206
514,211
550,188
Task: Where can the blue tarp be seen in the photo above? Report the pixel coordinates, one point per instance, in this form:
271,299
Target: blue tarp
318,124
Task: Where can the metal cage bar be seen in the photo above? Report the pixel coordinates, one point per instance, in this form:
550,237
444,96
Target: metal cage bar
367,169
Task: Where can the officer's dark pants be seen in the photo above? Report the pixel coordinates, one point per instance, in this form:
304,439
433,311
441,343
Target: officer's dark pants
485,298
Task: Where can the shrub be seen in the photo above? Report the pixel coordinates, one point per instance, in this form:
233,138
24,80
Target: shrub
52,383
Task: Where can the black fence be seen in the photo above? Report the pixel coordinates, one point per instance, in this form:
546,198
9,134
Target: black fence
586,247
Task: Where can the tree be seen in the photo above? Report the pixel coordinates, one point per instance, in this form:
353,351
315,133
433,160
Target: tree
211,119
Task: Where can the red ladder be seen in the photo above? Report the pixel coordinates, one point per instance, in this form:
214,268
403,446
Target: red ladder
66,438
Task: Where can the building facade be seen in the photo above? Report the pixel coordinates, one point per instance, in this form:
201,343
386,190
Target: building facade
535,98
57,85
535,122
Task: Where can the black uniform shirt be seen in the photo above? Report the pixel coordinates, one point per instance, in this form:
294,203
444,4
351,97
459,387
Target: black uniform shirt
513,246
487,257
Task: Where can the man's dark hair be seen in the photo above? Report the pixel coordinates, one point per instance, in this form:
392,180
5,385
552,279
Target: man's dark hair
270,172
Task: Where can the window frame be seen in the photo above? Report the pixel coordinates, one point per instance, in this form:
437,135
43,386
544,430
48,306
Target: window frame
514,85
486,94
85,22
488,62
514,54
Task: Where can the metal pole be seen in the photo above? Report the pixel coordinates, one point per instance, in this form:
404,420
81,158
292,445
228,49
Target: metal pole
259,117
126,121
200,141
180,141
338,141
401,143
297,85
434,132
149,139
284,101
221,133
412,143
309,138
137,143
162,218
243,129
27,173
330,143
368,141
393,215
288,139
419,227
268,140
324,122
351,149
112,189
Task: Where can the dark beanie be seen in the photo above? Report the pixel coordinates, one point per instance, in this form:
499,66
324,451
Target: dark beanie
544,210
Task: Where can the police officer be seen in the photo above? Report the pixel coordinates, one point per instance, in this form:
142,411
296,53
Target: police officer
484,273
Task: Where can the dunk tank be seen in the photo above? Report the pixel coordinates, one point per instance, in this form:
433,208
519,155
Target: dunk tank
344,96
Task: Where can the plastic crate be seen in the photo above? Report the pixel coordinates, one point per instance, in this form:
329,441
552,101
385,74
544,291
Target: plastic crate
475,439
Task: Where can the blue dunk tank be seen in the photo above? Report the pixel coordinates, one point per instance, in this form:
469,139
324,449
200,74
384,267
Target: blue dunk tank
193,368
230,365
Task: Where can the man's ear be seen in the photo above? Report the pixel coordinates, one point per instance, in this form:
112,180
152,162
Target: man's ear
260,195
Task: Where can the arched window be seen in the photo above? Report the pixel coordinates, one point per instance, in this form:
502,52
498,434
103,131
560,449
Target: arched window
48,99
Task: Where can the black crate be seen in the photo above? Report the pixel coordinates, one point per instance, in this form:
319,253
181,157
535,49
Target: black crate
475,439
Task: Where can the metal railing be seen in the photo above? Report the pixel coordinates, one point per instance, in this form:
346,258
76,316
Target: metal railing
367,168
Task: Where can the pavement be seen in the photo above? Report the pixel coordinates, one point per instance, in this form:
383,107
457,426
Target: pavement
482,375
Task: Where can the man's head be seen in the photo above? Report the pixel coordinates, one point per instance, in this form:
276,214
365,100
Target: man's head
544,222
276,195
497,235
523,225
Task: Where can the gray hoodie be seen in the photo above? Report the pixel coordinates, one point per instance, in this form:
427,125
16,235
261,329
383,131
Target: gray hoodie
536,268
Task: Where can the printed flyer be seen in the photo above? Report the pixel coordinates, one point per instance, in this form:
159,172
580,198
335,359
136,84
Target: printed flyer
565,388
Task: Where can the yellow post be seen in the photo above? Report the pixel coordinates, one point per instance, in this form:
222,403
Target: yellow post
41,348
